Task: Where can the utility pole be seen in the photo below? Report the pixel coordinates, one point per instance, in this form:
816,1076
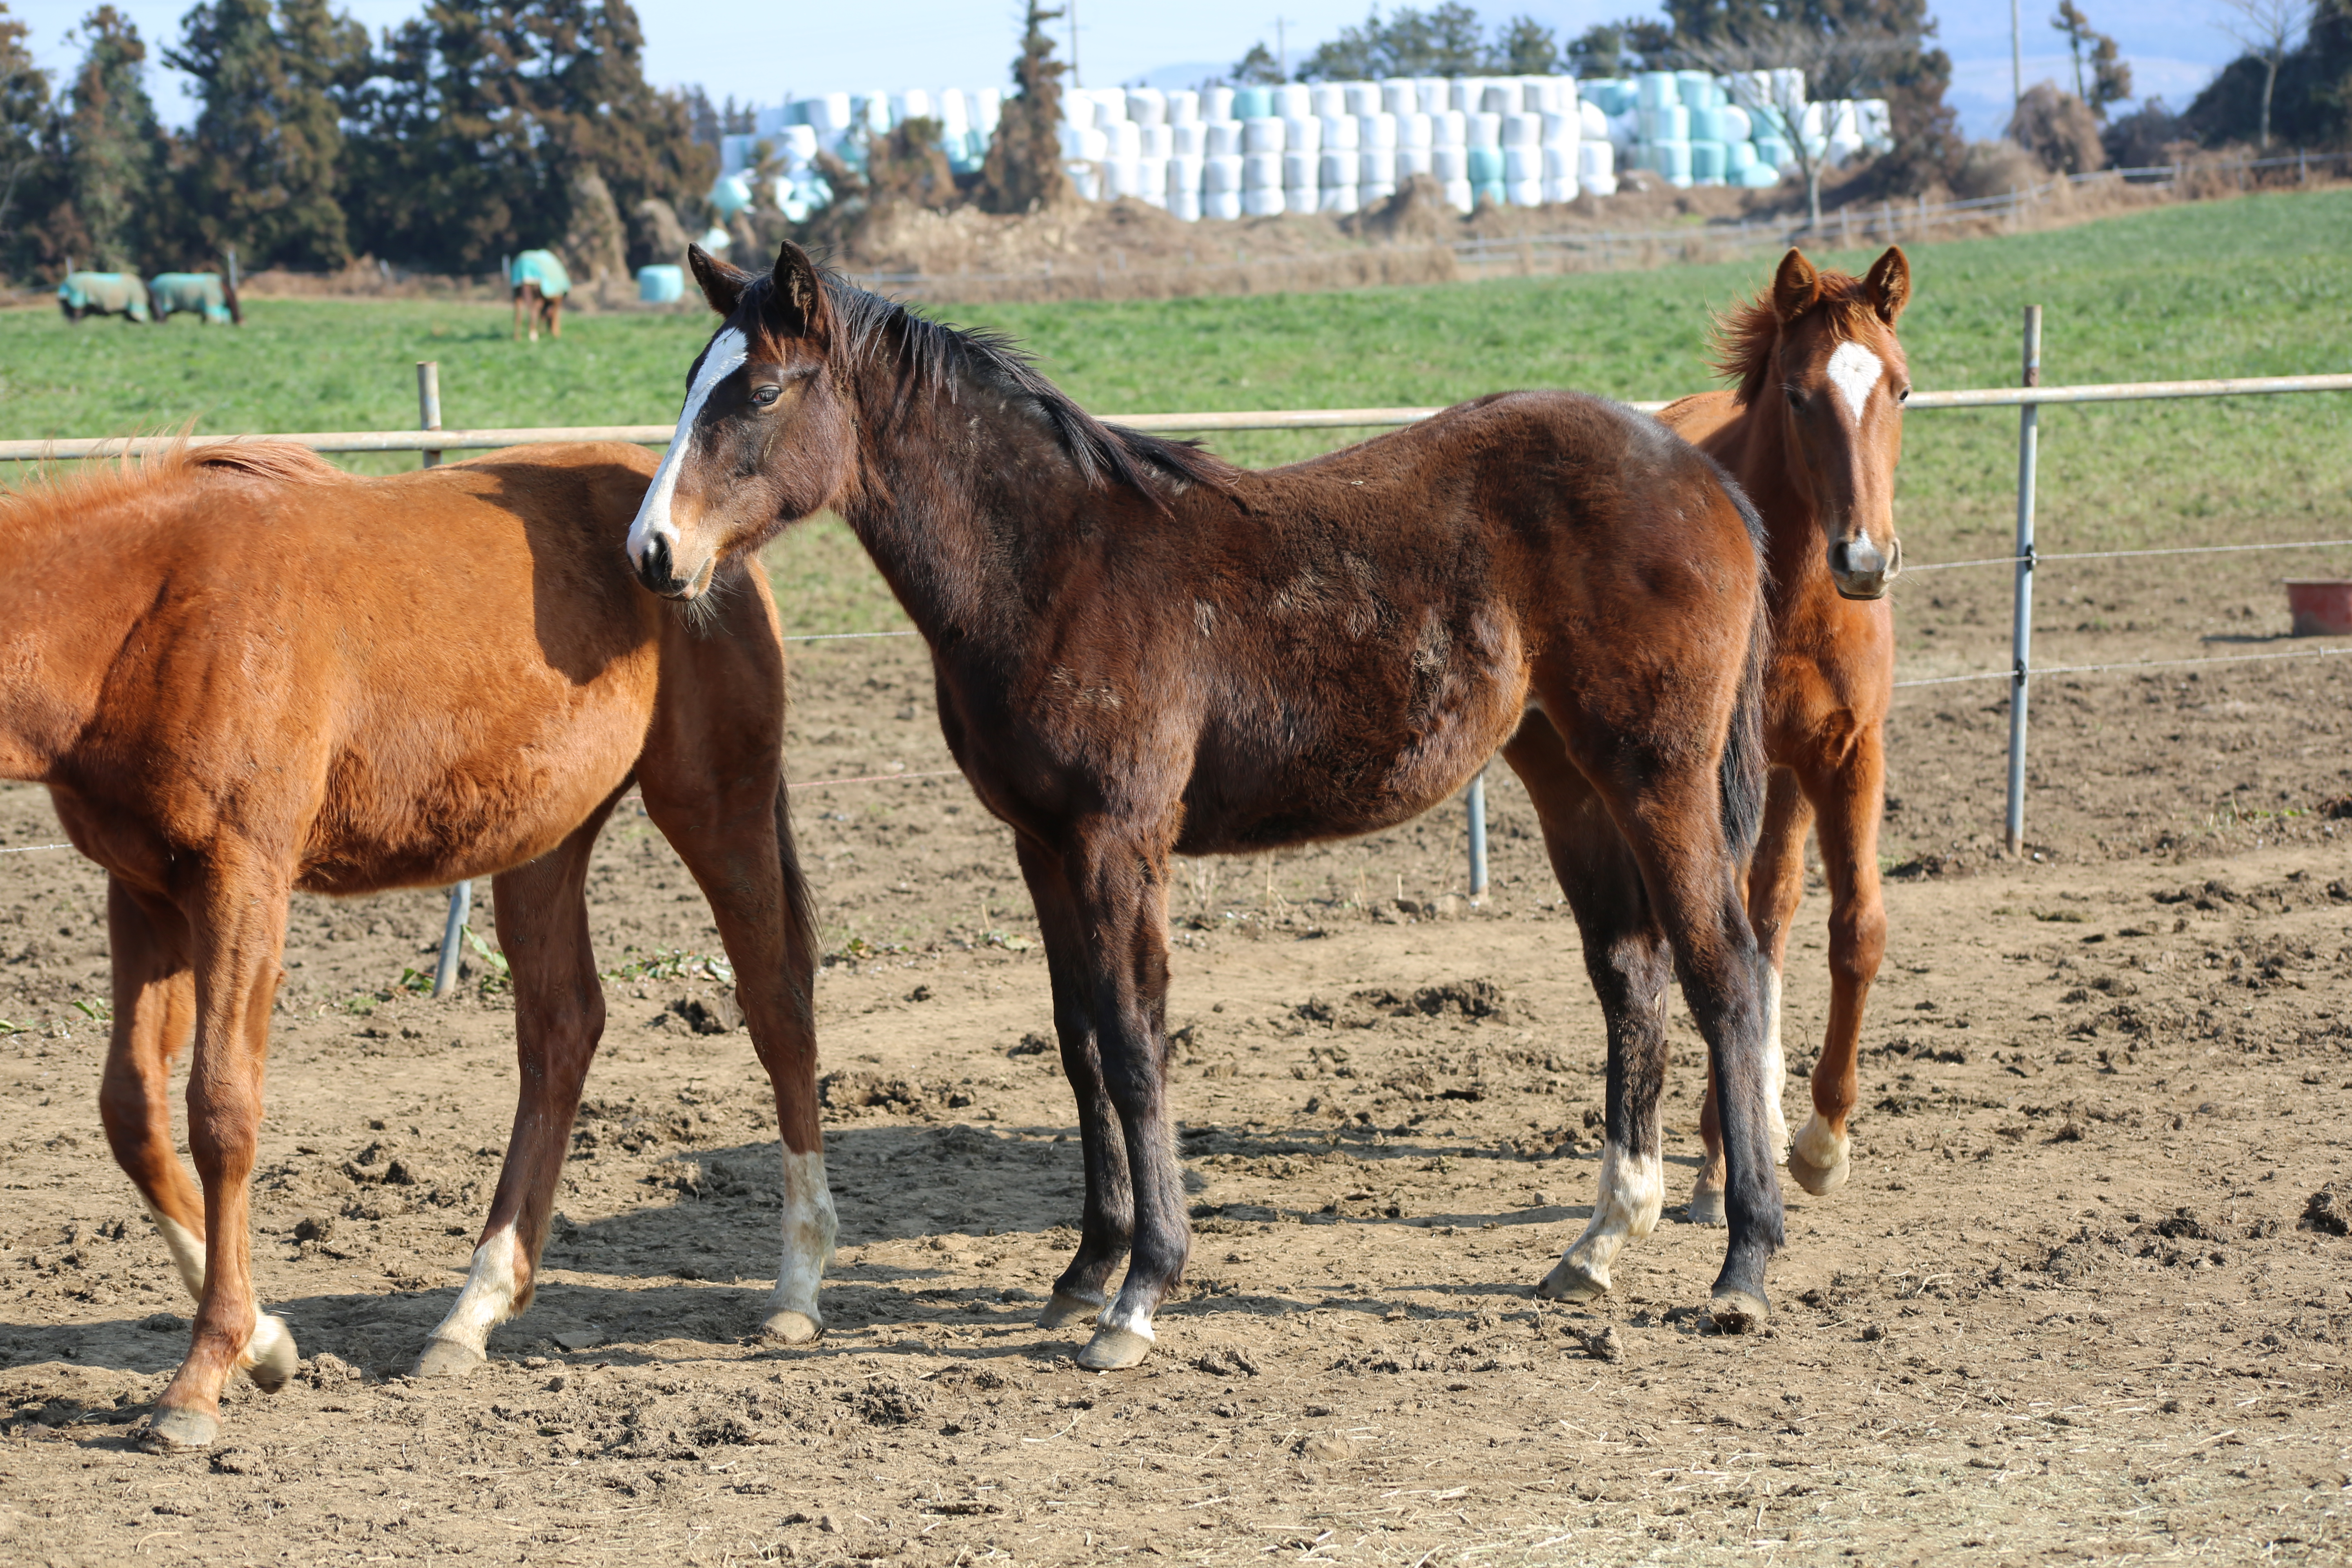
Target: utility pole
1281,52
2016,58
1073,43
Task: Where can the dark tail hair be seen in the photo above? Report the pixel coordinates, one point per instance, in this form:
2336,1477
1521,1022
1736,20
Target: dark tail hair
1743,775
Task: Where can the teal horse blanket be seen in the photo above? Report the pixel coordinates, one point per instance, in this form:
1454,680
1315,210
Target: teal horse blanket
109,293
198,293
542,268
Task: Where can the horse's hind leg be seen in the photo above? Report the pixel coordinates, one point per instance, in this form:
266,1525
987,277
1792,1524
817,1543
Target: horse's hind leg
1108,1227
1625,954
1776,881
154,1013
542,913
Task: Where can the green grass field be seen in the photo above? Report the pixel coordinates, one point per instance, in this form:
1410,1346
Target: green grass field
2257,286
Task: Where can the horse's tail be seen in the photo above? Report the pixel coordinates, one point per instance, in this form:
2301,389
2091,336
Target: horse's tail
800,914
1745,765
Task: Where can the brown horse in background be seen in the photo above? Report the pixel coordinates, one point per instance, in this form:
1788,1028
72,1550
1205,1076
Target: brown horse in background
1812,433
1141,651
242,672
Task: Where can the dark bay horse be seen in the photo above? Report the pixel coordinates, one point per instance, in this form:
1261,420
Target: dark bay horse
241,671
1812,433
1143,651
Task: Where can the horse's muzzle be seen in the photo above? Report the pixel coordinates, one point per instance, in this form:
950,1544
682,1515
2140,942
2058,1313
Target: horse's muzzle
657,569
1863,571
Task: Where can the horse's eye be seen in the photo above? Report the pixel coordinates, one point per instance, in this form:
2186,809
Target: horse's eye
763,396
1796,400
1904,395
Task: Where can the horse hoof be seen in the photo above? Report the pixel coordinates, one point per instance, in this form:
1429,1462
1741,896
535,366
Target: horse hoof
447,1358
1738,1312
1568,1283
1065,1310
179,1431
1114,1350
792,1328
1706,1206
1818,1180
274,1356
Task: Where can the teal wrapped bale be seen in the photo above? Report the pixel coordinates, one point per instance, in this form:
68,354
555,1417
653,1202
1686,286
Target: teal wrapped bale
102,294
660,285
199,294
542,268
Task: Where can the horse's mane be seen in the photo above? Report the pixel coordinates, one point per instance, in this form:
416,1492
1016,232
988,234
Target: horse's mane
920,353
1743,336
103,483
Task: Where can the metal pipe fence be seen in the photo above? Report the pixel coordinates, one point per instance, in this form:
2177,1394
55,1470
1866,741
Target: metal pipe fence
2028,398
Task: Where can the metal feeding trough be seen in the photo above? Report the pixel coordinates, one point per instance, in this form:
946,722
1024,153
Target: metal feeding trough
2322,606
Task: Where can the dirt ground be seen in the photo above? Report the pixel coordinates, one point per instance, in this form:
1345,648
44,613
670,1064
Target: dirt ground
2077,1302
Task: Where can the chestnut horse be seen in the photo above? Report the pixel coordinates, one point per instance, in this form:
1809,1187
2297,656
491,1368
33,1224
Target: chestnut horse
1143,651
241,671
1812,433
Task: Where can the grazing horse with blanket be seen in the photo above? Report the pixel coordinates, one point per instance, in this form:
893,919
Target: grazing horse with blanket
203,295
1813,432
540,286
240,671
1141,651
120,294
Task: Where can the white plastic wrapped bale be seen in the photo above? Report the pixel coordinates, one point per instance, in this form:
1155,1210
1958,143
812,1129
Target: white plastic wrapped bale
1522,129
1328,100
1221,175
1874,121
1337,166
987,106
1596,167
1126,139
1559,164
1524,193
1416,131
1184,107
1184,205
1369,195
1341,134
1294,100
870,112
1079,109
1522,165
1411,161
1398,97
1461,197
1361,97
1084,145
1466,94
1121,177
915,103
1450,163
1592,123
1337,200
1451,129
1376,130
1220,204
953,108
1151,181
1302,133
1484,130
1147,106
1264,134
1261,171
1087,179
1189,140
796,145
1301,177
1560,130
1430,93
1262,204
1221,138
1110,105
1155,141
735,153
1185,172
1216,103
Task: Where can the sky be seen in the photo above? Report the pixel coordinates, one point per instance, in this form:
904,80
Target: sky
765,51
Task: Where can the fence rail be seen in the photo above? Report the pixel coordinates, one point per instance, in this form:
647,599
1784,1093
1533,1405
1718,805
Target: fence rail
66,449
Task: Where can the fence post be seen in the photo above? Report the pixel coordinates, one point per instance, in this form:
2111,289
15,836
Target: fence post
2021,634
1473,801
461,897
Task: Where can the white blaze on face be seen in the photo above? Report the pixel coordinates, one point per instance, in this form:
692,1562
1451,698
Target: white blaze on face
1632,1192
809,1230
1854,371
488,1297
726,356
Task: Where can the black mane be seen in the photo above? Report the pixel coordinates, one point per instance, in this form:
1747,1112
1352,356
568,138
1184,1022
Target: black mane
880,333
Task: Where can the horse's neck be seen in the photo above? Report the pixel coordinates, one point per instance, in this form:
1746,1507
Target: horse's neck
67,601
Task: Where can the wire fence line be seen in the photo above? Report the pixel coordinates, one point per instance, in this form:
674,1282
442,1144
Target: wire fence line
2120,554
2128,664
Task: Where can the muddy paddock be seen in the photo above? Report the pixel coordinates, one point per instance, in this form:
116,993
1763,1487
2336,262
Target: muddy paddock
2084,1297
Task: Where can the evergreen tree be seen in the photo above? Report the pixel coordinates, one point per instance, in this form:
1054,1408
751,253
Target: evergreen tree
114,148
261,168
1525,47
28,165
2110,80
2300,96
1257,69
1023,171
1442,41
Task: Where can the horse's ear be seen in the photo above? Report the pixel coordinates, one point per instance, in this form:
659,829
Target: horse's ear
1889,284
798,295
1795,287
722,285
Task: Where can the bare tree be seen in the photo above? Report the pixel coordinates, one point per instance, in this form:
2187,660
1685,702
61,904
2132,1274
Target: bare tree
1773,67
2264,28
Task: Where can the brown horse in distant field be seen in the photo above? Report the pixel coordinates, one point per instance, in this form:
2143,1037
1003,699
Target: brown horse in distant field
1812,433
241,671
1143,651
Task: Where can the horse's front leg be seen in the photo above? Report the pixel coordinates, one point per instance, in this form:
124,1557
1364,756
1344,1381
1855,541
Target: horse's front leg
1848,796
239,927
1776,881
1107,1227
543,914
1121,885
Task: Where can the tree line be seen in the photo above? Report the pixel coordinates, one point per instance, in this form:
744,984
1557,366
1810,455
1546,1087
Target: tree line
467,132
